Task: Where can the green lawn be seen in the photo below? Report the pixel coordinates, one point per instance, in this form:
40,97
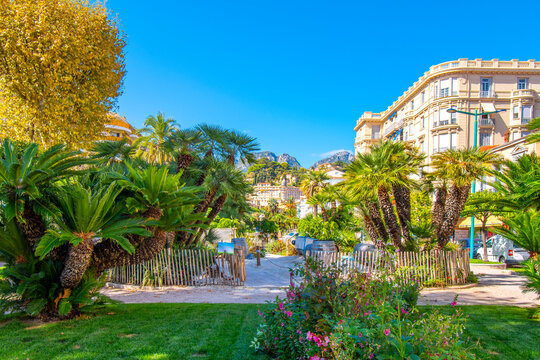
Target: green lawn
205,331
478,261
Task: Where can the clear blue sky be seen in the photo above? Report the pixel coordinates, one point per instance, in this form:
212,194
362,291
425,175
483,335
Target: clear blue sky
298,74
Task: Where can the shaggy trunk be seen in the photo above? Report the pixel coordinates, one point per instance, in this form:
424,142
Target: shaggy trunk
438,208
183,160
333,206
371,230
455,203
33,227
315,210
108,254
375,216
202,207
402,196
389,217
216,209
76,263
324,213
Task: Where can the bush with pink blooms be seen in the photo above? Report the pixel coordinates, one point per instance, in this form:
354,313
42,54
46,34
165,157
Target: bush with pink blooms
362,316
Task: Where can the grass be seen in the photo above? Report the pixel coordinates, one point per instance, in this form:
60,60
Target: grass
478,261
205,331
138,331
501,332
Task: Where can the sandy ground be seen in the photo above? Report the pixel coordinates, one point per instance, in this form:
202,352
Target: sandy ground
264,283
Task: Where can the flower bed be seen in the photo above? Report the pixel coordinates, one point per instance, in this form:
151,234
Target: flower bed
359,316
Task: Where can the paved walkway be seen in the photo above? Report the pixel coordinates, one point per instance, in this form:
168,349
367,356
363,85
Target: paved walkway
264,283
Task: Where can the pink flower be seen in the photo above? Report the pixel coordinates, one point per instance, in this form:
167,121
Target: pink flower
360,334
386,332
453,303
288,313
371,356
260,313
315,357
281,307
282,324
309,335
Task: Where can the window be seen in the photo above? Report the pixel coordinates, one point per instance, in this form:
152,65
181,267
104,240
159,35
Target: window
516,112
435,118
485,87
412,104
376,132
422,147
454,86
453,118
444,117
423,121
435,143
423,96
444,142
406,135
526,114
485,139
453,141
436,91
523,83
525,133
445,87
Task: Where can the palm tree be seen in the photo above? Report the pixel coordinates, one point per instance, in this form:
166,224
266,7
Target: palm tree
387,169
154,145
240,146
213,138
524,231
27,181
534,126
109,152
312,184
319,200
185,144
273,207
456,169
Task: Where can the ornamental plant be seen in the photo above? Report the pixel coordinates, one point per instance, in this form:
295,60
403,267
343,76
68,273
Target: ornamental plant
327,315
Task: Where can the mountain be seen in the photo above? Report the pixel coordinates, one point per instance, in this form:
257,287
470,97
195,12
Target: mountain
345,156
291,160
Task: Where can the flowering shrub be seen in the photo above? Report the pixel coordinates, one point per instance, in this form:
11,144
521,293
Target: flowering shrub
361,316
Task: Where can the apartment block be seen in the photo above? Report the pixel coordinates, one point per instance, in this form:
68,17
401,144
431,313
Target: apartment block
264,192
420,116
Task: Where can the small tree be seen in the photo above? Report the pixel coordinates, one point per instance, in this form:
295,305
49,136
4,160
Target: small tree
483,205
61,70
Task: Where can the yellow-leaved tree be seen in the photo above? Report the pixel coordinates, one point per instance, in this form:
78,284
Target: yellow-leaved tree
61,70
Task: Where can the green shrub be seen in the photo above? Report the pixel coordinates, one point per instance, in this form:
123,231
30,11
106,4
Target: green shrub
332,316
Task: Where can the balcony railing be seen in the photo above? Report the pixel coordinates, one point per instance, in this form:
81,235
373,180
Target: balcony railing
486,93
395,125
524,93
486,122
444,122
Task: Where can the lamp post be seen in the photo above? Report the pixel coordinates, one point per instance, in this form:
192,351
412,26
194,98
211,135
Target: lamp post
475,144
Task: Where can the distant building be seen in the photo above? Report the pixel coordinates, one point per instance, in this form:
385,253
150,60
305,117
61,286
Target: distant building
264,192
336,176
420,116
118,128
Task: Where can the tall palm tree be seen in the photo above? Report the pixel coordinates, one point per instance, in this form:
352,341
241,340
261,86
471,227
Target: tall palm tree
154,145
319,201
273,206
456,169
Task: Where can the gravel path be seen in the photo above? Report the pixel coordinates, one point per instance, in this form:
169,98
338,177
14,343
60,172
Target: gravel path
264,283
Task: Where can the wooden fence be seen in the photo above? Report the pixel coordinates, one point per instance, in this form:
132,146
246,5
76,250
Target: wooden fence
184,268
431,268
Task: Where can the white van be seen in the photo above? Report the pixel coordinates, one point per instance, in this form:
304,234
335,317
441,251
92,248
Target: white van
502,250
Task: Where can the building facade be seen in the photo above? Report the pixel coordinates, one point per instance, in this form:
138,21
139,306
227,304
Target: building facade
118,128
420,116
264,192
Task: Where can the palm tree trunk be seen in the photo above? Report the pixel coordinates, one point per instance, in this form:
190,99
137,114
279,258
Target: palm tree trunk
33,226
402,196
315,210
324,213
76,263
216,209
484,239
371,230
333,206
437,210
183,160
374,213
454,206
389,217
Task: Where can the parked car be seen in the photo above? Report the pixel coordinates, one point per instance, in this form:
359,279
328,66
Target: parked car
503,250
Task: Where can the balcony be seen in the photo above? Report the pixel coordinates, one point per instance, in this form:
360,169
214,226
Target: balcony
487,93
394,126
486,122
444,123
524,93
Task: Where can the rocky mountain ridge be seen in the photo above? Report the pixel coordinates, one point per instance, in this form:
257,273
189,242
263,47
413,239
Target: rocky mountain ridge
345,156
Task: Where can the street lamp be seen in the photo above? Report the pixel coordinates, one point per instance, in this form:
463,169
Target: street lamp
475,144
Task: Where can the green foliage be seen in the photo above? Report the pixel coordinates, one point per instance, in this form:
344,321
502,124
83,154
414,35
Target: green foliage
13,244
264,170
334,317
523,230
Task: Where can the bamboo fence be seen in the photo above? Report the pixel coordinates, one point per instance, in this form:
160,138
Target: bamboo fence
431,268
185,268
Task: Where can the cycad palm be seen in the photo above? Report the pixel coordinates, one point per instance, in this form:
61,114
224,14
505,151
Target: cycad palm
109,152
154,145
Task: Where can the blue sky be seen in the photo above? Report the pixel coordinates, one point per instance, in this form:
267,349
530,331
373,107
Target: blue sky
298,74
